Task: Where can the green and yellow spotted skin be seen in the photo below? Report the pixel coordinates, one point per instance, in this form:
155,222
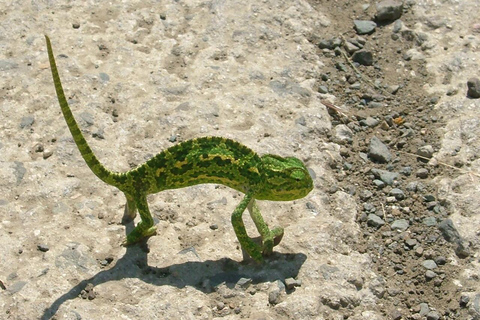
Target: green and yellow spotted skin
203,160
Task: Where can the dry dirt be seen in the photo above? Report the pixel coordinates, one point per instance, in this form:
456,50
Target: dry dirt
144,75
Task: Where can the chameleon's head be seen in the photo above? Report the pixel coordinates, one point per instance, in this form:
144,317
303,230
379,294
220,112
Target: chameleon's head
283,179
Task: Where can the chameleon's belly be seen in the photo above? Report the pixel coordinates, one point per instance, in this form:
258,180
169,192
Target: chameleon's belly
203,160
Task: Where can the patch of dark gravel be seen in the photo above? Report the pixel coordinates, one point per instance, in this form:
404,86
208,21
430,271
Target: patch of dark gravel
393,131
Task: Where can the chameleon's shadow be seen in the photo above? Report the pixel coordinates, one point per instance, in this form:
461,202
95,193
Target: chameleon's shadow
203,276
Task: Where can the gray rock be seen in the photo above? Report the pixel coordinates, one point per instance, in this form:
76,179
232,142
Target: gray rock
397,26
473,85
369,122
429,264
422,173
406,171
430,221
378,151
350,47
322,89
364,26
104,77
411,242
424,309
291,283
433,315
389,10
415,186
375,221
343,134
397,193
27,122
369,207
244,282
430,274
363,57
440,260
365,195
401,224
449,231
425,151
379,184
385,176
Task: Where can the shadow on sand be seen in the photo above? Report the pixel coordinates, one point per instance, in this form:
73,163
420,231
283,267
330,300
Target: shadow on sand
204,275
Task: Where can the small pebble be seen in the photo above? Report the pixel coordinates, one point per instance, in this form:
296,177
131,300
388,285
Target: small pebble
473,85
433,315
389,10
378,151
401,225
244,282
290,283
364,26
422,173
363,57
375,221
425,151
397,193
43,247
429,264
430,274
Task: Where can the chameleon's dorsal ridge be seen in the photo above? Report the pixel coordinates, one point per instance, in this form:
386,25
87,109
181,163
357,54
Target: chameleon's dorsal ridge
203,160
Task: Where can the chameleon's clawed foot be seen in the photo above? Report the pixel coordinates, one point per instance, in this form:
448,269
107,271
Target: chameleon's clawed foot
138,234
273,239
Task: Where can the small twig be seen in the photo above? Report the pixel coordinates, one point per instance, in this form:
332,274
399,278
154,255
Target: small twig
362,77
469,172
334,108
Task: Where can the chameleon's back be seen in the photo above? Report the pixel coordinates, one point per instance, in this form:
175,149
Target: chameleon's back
202,160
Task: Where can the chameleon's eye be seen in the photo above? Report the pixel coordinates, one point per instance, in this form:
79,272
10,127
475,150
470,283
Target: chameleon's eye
298,175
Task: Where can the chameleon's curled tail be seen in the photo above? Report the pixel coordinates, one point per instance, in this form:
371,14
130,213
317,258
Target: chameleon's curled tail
97,168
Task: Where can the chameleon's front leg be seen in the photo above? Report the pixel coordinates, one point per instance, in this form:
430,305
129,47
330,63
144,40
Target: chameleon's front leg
270,238
145,227
252,249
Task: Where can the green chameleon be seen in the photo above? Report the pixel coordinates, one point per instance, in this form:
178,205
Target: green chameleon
203,160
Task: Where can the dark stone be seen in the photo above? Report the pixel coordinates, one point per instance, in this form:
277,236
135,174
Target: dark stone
363,57
389,10
449,231
364,26
473,85
378,151
43,247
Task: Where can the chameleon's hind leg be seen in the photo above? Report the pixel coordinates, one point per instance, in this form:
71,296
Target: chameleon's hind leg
145,227
250,247
130,208
270,238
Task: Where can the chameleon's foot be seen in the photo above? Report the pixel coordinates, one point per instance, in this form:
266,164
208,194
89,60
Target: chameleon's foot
274,237
138,234
254,251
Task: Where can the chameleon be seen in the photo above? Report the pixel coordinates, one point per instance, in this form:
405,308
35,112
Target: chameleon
204,160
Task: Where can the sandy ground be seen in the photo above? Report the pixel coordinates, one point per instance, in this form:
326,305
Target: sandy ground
141,76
